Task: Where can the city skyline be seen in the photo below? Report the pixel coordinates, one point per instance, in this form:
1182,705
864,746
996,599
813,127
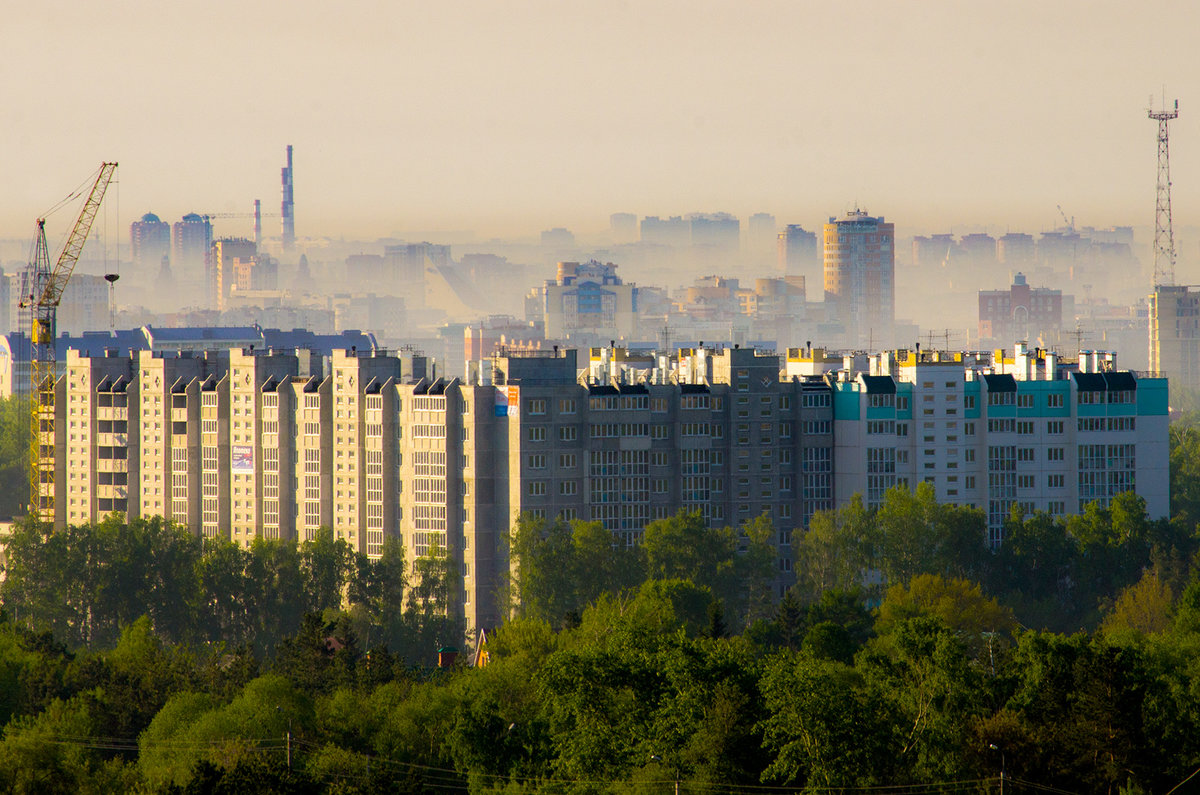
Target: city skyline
507,120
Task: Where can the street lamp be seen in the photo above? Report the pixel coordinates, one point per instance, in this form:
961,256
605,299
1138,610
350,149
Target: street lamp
279,710
657,758
995,747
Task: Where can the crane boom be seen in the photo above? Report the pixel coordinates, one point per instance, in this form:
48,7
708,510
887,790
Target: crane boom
47,291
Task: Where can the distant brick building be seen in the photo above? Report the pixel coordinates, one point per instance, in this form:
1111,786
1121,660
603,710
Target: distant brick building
1020,313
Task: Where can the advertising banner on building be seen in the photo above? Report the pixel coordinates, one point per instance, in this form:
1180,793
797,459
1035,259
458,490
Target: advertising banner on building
243,458
501,402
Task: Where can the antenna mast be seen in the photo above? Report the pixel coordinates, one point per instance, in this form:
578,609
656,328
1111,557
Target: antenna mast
1164,235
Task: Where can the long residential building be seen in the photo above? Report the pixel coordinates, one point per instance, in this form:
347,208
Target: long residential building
247,443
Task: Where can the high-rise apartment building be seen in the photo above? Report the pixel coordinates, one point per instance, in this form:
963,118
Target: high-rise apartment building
674,231
860,270
798,254
259,443
224,259
1175,334
623,227
931,252
720,232
999,432
239,444
150,241
1016,249
191,240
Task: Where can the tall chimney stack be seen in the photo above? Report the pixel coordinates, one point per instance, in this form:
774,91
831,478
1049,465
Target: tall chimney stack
289,205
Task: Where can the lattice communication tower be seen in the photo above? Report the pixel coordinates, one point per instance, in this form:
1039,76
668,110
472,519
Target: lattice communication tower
1164,235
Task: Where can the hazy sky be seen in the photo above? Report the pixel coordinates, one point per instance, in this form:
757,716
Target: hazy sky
510,117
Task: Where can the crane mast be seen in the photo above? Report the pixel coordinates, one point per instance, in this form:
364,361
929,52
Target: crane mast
46,293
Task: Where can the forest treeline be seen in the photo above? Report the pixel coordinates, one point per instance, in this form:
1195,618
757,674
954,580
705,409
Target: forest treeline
620,670
135,657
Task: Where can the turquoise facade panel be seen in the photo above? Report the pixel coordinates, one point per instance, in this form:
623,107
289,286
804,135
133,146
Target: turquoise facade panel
846,402
972,390
1152,396
904,396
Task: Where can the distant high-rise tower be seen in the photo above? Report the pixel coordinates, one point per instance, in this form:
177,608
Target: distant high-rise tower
191,237
289,204
1164,235
860,276
623,227
150,239
797,249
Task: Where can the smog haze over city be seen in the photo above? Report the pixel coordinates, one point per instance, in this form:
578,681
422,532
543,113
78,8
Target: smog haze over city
508,118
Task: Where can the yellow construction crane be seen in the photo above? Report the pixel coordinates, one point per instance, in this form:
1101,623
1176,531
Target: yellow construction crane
42,301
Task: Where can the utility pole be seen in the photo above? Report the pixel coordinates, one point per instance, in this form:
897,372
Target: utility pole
1164,235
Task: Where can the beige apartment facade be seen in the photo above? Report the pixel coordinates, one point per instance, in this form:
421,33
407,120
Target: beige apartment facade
239,445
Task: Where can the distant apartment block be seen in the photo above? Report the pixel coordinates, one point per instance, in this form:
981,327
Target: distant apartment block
674,231
226,259
589,301
1016,250
720,232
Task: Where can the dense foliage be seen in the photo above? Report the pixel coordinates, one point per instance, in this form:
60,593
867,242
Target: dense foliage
86,584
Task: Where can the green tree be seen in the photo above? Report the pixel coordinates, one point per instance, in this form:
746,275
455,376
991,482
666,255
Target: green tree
276,589
959,604
14,456
1143,607
823,728
837,549
326,562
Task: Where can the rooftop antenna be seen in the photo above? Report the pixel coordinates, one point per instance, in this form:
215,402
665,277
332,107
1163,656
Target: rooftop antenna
1078,334
1164,235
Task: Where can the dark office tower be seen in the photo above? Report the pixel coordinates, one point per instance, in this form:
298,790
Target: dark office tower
150,240
288,211
798,255
191,238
